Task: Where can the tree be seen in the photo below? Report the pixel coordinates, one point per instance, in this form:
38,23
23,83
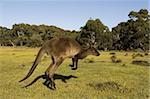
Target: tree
31,35
134,33
5,37
101,32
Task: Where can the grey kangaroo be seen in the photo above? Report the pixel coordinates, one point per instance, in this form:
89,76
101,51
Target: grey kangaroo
83,54
59,49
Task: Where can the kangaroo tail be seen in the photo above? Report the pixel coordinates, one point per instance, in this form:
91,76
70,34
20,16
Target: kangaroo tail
38,58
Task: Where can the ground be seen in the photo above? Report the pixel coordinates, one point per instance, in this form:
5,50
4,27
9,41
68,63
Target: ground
96,77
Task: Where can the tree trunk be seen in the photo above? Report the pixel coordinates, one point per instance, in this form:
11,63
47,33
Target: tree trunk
12,43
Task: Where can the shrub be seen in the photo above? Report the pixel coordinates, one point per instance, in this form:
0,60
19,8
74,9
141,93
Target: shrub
137,55
112,53
118,61
146,54
126,54
123,65
115,60
140,62
111,85
91,60
13,53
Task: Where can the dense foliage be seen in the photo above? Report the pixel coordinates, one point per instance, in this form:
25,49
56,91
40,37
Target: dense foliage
130,35
134,33
31,35
103,37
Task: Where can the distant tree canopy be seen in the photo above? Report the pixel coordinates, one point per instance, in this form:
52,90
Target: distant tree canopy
134,33
130,35
5,37
103,36
31,35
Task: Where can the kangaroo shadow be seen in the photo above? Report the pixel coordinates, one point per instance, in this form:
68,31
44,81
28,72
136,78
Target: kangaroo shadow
56,77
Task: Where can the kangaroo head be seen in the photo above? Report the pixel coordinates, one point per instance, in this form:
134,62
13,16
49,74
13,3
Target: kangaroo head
93,51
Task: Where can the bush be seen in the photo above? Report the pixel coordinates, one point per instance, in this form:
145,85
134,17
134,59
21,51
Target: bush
137,55
123,65
112,53
13,53
146,54
126,54
111,85
118,61
115,60
91,60
140,62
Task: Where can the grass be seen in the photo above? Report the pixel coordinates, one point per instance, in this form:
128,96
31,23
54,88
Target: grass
97,77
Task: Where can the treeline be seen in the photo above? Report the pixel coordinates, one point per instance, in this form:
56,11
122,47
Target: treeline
31,35
130,35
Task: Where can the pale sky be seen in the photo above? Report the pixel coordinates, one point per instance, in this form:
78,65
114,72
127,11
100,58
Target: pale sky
67,14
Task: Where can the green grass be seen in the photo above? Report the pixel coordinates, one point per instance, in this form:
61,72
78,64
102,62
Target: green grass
98,77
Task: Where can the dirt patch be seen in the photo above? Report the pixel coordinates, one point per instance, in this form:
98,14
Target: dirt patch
109,86
22,65
13,54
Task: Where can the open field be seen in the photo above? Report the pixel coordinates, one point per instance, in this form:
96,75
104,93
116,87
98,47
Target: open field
96,77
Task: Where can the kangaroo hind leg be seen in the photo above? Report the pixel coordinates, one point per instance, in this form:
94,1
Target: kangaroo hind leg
51,70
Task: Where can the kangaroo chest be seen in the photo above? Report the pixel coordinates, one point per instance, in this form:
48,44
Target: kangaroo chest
81,56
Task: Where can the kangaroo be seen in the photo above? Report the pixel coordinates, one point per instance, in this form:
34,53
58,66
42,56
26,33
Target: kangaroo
59,49
83,54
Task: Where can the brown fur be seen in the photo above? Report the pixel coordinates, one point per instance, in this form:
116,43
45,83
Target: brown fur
83,54
59,49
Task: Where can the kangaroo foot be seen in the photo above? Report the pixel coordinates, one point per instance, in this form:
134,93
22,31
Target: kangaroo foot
53,85
71,65
74,68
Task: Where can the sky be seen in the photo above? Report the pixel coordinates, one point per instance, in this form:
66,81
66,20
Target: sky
67,14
